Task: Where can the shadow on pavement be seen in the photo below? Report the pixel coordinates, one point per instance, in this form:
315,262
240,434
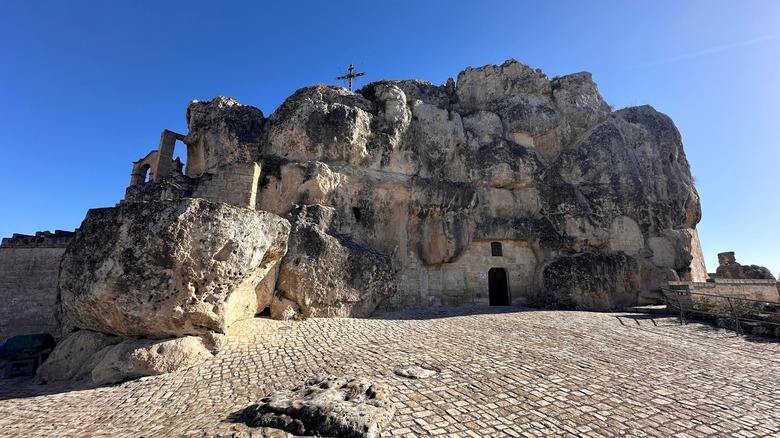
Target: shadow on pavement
23,387
423,313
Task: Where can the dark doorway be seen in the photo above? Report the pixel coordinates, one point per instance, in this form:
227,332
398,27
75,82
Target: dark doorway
498,290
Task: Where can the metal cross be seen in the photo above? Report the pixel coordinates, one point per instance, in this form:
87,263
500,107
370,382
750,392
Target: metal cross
350,75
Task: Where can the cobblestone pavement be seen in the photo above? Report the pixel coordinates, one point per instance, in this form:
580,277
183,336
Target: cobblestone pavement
503,372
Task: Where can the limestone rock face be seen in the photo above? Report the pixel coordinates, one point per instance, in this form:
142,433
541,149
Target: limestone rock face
346,407
579,101
169,268
136,358
329,275
221,131
729,268
431,179
591,281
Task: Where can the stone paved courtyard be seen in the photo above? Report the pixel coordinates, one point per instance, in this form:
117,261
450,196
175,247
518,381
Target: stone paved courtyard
503,372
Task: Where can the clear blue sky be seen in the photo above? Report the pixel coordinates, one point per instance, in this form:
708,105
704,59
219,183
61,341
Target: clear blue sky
86,87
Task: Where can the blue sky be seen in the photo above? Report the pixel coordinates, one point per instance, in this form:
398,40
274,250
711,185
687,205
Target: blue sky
86,87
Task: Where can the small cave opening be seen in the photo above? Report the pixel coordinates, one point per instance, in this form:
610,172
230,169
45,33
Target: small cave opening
356,212
265,313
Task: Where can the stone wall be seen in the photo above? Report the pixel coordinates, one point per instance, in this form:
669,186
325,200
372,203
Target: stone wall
29,272
759,290
234,184
466,279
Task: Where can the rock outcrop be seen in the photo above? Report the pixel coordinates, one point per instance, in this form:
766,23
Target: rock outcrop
729,268
490,189
221,131
169,268
436,175
346,407
326,275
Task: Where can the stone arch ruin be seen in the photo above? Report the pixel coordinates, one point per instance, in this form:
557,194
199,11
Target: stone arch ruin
159,164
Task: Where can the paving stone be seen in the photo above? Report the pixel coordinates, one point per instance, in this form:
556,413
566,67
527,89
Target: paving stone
503,372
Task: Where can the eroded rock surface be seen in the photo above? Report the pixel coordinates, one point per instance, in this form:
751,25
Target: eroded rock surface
327,275
221,131
346,407
591,281
169,268
415,372
97,358
74,357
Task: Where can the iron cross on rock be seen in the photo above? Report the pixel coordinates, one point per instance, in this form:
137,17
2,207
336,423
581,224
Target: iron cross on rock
350,75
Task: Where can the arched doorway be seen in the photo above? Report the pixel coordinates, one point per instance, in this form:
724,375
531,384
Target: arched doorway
498,290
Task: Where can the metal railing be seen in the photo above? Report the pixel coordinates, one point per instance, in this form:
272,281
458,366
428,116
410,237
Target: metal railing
741,310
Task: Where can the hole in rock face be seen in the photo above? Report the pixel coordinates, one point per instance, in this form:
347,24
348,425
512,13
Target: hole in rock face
356,213
265,312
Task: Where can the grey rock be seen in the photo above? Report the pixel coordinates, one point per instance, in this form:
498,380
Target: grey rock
577,98
347,407
591,281
415,372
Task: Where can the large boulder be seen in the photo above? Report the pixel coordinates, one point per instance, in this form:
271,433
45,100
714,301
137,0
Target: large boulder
169,268
73,357
321,123
136,358
330,275
98,358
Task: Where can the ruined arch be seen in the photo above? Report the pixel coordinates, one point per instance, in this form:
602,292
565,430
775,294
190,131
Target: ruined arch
143,169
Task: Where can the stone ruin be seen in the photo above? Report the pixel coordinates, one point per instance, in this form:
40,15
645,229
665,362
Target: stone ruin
729,268
502,188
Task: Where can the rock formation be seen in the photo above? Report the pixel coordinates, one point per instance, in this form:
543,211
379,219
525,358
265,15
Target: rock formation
503,187
729,268
435,175
346,407
430,180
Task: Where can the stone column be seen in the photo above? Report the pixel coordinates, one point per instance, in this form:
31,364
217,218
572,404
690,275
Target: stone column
165,155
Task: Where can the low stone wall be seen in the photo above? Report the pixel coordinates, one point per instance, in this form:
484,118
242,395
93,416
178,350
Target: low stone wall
759,290
234,184
29,274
